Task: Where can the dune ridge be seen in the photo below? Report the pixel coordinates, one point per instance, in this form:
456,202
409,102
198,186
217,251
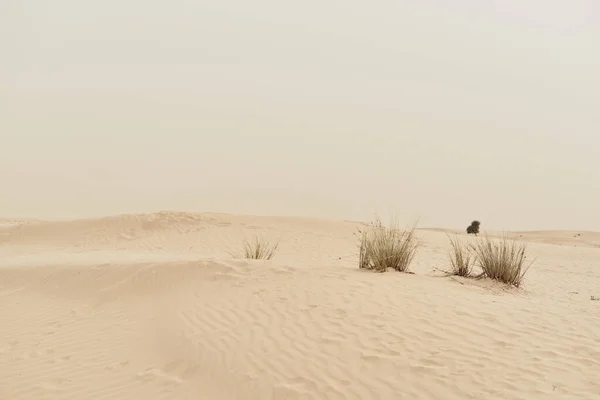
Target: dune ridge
154,306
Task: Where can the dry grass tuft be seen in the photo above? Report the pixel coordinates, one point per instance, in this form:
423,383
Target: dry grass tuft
382,247
461,258
503,260
259,249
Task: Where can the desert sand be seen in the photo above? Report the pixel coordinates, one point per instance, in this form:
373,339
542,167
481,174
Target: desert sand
154,306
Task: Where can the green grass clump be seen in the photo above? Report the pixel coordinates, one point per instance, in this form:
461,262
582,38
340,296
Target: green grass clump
503,260
461,258
259,249
382,247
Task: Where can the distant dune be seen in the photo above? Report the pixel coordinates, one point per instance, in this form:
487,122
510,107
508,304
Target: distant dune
154,306
560,238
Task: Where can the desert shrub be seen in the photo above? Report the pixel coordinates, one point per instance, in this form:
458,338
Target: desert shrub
382,247
364,249
503,260
461,258
259,249
473,228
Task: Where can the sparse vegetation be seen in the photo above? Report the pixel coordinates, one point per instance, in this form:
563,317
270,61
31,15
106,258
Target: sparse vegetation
503,260
461,258
382,247
473,228
259,249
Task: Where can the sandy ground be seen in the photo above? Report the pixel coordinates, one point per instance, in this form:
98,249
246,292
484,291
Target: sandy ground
155,307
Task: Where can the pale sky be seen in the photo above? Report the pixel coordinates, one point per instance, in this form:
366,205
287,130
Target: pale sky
444,110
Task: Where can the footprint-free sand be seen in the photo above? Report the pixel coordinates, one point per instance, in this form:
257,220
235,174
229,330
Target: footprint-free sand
154,306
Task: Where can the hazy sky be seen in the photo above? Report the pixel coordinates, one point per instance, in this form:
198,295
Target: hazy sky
443,110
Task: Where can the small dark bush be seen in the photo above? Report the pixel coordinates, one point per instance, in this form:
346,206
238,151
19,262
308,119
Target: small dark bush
473,228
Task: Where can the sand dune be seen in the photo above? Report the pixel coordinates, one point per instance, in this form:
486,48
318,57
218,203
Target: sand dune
559,238
155,307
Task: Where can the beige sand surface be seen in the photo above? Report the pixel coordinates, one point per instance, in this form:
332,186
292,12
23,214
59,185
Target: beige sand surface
154,307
